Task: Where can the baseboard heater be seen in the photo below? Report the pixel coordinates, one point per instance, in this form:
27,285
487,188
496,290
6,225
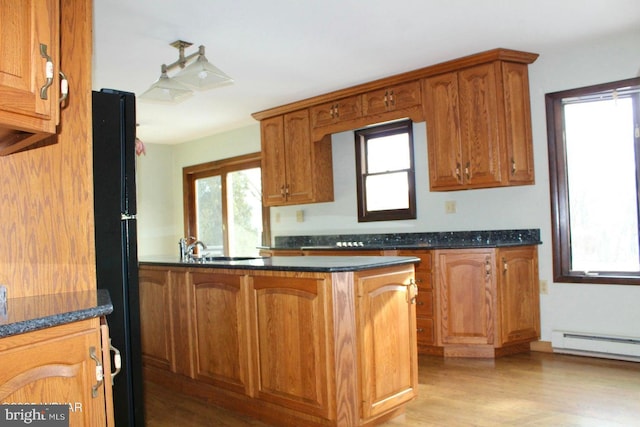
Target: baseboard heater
596,345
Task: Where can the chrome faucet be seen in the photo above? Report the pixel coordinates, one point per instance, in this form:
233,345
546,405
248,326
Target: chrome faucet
192,246
186,249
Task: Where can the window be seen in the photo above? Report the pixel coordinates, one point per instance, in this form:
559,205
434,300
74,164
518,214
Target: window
594,164
385,173
223,206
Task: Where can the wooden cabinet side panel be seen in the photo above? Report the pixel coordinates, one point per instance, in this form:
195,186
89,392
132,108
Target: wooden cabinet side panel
440,103
387,335
155,318
480,125
293,362
518,294
219,330
466,296
519,142
273,160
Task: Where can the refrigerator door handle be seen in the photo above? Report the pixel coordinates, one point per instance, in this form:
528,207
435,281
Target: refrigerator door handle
117,361
125,216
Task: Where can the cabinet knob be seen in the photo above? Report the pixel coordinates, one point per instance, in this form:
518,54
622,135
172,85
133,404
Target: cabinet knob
420,330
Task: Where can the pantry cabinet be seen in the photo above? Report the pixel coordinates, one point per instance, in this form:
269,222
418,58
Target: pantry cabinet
295,169
29,72
488,302
66,364
479,127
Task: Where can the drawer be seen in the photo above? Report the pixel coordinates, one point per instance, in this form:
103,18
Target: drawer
425,331
424,303
424,280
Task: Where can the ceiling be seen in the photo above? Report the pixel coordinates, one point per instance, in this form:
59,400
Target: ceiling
280,51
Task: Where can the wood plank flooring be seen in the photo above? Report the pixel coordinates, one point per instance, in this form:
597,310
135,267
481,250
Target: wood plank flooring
534,389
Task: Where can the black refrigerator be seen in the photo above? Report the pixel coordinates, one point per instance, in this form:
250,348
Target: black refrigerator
114,135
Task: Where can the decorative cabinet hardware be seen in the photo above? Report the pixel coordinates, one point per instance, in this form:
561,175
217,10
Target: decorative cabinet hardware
48,71
117,361
330,113
397,97
99,372
64,87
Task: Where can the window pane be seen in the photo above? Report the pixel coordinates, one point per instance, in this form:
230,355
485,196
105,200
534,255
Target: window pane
388,191
388,153
209,213
245,212
602,186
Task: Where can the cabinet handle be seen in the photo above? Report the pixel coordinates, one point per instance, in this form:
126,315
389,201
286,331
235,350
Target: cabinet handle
413,291
420,330
286,190
487,267
513,166
117,361
504,265
64,87
282,190
386,102
337,112
391,100
458,172
48,71
99,372
467,171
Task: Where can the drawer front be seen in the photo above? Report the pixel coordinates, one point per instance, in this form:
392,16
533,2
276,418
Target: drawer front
425,331
424,303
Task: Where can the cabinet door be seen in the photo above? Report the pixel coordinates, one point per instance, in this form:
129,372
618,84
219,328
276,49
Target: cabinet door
56,365
466,283
518,294
298,149
155,318
333,112
440,102
26,25
221,341
517,113
392,98
273,160
387,336
480,120
291,347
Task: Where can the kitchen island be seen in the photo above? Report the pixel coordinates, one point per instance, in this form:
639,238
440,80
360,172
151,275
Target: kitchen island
324,341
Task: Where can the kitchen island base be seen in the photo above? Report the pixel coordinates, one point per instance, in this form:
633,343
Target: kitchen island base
294,348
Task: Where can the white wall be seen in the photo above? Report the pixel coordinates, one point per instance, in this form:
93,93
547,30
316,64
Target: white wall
593,308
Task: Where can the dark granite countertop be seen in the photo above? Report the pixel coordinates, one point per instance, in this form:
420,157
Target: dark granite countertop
321,264
430,240
28,314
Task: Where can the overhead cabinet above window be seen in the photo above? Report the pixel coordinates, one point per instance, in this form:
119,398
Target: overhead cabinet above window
478,125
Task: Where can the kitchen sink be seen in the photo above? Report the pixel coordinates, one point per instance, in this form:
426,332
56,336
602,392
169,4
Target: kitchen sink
226,258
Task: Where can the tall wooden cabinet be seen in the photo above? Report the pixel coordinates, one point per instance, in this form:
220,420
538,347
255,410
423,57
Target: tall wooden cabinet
479,127
66,364
488,302
295,169
29,72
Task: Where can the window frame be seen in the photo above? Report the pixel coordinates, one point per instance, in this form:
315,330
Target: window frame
361,137
559,190
219,167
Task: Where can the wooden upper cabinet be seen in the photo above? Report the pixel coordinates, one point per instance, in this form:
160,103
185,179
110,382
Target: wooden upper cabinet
29,67
295,169
479,127
330,113
392,98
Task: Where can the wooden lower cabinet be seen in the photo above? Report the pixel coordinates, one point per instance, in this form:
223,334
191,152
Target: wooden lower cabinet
58,364
291,348
488,302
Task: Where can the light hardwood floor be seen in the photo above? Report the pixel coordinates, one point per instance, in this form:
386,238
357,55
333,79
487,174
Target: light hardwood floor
535,389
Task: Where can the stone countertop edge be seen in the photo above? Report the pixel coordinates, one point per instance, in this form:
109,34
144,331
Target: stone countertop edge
27,314
318,264
411,241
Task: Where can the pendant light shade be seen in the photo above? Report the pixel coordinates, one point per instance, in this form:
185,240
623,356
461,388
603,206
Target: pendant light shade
166,90
200,74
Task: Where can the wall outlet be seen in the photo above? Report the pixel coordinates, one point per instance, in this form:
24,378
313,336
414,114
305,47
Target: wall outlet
544,287
300,216
450,206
